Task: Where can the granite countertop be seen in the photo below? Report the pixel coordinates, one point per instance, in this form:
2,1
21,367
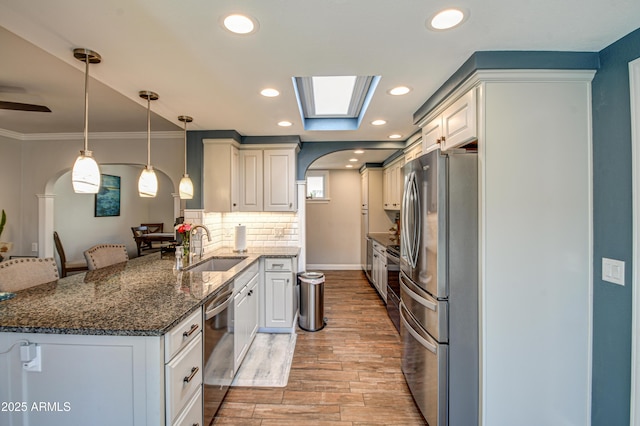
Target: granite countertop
385,238
145,296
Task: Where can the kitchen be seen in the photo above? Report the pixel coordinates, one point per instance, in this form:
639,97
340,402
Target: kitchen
611,355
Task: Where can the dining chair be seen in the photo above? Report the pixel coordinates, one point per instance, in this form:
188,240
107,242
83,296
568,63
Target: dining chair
67,266
154,227
139,231
25,272
103,255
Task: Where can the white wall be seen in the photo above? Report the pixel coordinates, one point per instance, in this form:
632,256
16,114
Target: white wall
39,162
10,166
333,228
79,229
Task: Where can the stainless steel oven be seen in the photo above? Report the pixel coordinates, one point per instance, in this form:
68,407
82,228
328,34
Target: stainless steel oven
218,351
393,284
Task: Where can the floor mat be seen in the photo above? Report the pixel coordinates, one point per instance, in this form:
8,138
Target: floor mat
268,361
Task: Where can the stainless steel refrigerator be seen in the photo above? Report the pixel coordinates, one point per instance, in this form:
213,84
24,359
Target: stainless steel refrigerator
439,286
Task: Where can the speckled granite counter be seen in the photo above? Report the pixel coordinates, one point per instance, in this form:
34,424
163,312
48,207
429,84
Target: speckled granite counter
143,297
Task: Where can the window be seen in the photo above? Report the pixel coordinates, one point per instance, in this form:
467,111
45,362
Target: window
318,185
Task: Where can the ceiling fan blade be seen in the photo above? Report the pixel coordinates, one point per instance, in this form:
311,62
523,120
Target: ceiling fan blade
23,107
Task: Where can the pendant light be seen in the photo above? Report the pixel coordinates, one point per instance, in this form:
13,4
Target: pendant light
148,182
186,186
85,175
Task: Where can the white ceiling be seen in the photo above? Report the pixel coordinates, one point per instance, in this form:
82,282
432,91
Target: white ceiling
179,50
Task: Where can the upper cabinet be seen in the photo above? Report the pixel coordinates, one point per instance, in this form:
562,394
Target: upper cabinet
412,152
221,165
453,127
249,180
392,185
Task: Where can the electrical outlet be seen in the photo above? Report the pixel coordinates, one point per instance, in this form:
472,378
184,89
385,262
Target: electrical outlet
34,247
278,232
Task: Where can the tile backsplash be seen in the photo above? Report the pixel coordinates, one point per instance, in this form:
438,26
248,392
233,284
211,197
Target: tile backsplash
263,229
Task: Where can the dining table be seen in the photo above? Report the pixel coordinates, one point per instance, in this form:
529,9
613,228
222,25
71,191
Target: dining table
161,237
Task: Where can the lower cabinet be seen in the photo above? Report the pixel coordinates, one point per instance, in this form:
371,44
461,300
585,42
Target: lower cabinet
245,313
104,380
280,298
379,270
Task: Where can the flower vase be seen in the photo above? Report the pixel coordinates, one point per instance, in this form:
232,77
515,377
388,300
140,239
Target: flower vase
185,247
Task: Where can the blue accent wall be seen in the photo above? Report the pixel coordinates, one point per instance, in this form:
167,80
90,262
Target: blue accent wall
612,199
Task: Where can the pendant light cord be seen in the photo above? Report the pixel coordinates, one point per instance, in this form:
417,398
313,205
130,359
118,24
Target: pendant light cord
86,104
149,131
185,147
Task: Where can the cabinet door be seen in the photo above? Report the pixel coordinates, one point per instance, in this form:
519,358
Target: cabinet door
251,180
387,188
431,133
235,179
220,176
398,185
459,122
279,299
240,337
252,308
364,187
279,180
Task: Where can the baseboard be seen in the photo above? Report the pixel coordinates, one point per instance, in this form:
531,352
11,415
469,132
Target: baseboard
333,267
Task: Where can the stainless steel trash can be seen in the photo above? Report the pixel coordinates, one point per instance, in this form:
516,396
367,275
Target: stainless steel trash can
311,301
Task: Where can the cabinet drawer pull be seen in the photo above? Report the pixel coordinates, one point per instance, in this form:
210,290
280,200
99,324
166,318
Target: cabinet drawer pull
192,330
278,265
194,371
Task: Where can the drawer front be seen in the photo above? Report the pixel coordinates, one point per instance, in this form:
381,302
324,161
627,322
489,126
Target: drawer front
278,264
183,377
243,278
192,414
182,334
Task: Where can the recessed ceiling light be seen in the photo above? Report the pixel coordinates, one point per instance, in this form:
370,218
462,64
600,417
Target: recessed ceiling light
446,19
240,24
395,136
353,160
349,166
378,122
400,90
358,151
284,123
269,92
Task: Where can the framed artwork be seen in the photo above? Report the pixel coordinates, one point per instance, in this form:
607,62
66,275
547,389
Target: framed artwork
108,198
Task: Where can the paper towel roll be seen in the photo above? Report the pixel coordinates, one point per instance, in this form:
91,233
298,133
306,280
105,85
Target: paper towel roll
240,243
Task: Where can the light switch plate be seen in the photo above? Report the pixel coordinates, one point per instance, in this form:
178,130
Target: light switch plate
613,271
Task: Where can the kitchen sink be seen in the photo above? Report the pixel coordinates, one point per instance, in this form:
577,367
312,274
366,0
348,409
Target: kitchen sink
218,264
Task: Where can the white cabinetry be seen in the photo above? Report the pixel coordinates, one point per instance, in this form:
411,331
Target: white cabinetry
279,180
280,301
412,152
221,175
373,218
392,185
251,180
245,321
456,125
534,142
107,380
379,269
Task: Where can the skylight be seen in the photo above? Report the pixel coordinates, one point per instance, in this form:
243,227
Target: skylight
332,95
334,102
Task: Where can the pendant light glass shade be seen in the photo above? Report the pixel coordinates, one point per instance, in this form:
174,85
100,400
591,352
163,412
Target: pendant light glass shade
148,182
85,175
186,186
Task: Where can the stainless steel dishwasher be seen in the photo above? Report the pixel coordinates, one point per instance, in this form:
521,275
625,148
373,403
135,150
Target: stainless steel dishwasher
218,351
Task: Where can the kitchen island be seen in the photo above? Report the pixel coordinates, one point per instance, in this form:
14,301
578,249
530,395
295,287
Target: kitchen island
93,348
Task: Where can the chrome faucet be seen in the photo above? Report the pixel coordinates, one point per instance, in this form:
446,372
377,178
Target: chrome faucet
194,232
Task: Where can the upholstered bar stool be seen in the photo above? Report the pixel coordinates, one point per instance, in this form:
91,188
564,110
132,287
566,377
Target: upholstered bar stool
21,273
103,255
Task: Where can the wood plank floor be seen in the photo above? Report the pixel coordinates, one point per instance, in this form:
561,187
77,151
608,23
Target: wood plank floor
346,374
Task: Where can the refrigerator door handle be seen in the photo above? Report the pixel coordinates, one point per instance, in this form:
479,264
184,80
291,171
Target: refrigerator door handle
411,210
428,345
416,295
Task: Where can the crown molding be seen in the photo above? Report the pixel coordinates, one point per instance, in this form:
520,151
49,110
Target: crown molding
93,136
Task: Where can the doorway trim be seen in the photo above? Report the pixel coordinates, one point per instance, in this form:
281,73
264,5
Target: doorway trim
634,91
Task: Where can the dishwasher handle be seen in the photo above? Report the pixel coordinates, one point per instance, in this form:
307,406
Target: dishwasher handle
210,313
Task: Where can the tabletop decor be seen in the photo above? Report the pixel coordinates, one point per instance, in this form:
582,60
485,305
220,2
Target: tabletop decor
184,229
